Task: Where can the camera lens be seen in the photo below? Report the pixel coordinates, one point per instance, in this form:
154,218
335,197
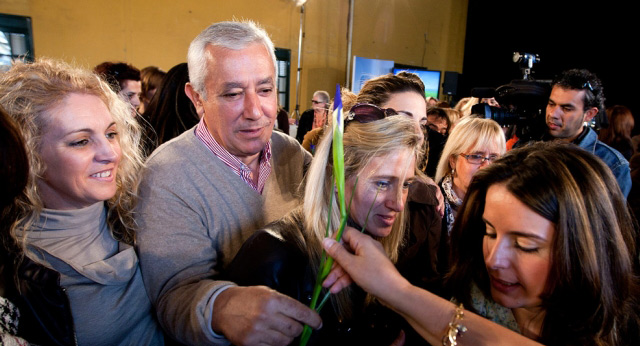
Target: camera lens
499,115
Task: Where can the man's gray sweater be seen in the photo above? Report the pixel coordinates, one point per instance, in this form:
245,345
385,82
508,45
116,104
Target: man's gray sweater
193,216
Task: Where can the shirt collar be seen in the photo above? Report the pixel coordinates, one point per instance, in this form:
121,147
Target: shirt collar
239,167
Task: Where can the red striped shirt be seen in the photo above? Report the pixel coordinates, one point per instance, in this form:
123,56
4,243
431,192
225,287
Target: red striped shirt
237,166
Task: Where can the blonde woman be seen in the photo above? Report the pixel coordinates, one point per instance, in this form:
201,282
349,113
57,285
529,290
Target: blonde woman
472,145
70,244
380,152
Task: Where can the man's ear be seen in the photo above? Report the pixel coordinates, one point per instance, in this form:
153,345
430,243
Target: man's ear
590,113
195,98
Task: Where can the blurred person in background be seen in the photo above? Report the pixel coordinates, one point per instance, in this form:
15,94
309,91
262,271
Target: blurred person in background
618,134
316,116
170,111
150,79
124,80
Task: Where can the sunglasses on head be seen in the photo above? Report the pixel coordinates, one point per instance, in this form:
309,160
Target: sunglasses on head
366,113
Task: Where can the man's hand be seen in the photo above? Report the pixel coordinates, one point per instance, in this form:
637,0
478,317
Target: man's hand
258,315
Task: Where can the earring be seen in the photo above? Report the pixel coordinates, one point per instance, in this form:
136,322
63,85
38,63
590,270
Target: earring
453,172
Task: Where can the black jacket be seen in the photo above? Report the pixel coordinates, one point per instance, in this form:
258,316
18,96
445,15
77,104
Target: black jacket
304,124
279,262
45,312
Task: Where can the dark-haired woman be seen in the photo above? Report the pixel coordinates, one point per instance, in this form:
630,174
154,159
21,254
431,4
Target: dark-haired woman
544,247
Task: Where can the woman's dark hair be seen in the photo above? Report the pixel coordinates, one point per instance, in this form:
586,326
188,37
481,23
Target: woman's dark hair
170,111
115,73
14,173
439,113
14,164
377,91
618,134
591,290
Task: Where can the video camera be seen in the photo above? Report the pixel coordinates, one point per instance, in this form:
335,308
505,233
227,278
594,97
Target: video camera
522,102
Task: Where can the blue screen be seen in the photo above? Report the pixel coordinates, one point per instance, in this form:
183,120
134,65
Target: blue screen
431,80
365,69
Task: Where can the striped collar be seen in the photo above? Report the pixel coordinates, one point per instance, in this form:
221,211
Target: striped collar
237,166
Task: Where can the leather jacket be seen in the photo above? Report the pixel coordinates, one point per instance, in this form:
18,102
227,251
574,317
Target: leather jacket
275,257
45,312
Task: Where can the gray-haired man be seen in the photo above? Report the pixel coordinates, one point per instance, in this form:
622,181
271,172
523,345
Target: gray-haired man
208,190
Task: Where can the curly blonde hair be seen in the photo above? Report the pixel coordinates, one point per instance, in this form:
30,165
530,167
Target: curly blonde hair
27,92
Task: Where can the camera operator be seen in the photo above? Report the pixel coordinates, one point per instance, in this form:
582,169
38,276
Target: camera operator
576,98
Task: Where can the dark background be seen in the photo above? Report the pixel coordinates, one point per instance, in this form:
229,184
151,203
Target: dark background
602,38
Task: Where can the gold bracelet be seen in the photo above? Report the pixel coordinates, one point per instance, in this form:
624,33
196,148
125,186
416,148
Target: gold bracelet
455,329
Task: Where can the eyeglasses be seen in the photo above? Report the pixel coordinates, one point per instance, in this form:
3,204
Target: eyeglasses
366,113
316,102
477,159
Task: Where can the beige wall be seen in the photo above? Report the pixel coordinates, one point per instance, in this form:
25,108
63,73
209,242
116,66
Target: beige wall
158,32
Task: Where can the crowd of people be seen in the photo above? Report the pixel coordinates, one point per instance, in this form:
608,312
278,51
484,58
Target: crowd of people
150,207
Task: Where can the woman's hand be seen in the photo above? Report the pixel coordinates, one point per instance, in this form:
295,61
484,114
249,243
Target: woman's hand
368,265
337,280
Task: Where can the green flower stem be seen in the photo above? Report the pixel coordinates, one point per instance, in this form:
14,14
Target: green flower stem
328,294
306,334
339,180
323,301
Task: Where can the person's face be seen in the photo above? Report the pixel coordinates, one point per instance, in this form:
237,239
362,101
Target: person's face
150,94
516,248
130,92
409,102
438,124
566,113
389,177
81,153
318,104
432,103
465,170
241,105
